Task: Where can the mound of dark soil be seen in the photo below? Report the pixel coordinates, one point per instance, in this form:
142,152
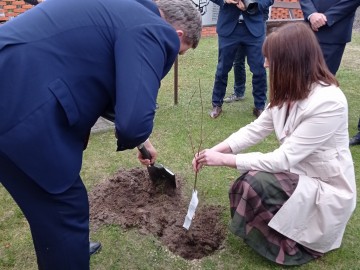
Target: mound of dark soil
131,200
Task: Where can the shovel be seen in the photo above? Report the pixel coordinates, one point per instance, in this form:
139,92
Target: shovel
157,172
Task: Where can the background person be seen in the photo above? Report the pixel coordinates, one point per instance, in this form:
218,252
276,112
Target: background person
356,139
236,27
332,21
66,73
292,205
240,71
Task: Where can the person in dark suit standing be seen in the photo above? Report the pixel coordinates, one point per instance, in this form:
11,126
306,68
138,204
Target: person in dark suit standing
332,21
240,71
71,62
236,26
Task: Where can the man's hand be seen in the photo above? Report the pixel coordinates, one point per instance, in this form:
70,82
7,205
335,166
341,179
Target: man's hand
152,152
241,5
235,2
317,20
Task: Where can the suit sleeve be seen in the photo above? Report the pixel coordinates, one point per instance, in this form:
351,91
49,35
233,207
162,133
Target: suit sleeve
32,2
308,8
335,13
220,3
264,6
341,10
143,56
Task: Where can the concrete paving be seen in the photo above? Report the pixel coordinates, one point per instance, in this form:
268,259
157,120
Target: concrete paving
102,125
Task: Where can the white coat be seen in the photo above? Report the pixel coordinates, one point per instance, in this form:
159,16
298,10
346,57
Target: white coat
314,143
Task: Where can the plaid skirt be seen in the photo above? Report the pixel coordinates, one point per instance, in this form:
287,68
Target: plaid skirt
255,197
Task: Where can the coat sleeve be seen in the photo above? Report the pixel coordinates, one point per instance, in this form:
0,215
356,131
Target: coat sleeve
252,133
143,56
319,124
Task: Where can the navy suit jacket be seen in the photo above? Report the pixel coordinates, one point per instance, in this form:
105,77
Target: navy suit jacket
229,16
63,64
340,18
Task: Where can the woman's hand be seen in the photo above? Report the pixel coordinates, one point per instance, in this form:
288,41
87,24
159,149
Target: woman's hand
209,157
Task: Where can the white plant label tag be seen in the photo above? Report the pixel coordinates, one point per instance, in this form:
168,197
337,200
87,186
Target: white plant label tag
191,210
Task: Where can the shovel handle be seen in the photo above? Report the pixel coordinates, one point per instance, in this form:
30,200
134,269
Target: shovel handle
144,152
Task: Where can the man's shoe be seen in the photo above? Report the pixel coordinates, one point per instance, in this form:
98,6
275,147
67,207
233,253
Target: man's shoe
216,111
355,140
94,247
233,98
257,112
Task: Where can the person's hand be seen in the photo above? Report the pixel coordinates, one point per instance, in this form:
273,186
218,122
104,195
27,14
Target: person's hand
317,20
209,157
240,5
234,2
152,152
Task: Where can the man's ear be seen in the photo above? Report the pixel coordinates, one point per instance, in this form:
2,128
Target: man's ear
180,33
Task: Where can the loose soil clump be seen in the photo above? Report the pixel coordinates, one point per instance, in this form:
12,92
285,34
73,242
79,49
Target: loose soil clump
131,200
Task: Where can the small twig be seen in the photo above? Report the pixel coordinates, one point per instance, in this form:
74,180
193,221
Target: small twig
201,130
189,134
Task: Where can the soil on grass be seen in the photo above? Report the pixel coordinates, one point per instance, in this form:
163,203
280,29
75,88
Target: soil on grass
131,200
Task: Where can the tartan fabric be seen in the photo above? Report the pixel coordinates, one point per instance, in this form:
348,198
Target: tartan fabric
255,197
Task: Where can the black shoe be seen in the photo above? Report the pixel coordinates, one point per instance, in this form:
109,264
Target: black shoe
355,140
257,112
94,247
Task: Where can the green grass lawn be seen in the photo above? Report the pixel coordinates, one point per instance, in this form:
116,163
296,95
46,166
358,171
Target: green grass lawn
173,125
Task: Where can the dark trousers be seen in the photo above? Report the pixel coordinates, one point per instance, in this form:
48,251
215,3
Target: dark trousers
59,223
333,54
227,51
239,72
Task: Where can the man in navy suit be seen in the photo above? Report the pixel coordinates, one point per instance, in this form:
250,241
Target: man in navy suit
93,246
64,63
332,21
236,26
240,71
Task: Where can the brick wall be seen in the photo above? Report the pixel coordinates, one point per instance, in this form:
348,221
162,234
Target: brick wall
283,13
12,8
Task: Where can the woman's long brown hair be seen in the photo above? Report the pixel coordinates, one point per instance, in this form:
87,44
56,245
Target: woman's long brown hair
295,63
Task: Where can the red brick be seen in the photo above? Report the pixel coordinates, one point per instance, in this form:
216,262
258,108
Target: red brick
9,7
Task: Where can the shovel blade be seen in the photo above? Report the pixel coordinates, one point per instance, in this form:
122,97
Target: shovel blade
159,174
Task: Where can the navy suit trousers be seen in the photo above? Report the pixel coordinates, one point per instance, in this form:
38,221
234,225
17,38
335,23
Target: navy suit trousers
59,223
333,54
240,72
227,50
